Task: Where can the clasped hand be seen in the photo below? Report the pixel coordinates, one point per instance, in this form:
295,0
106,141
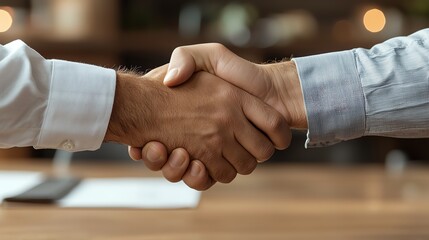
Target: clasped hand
208,130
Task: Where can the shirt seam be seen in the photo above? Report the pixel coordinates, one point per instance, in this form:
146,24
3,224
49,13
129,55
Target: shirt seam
48,106
307,141
107,114
362,91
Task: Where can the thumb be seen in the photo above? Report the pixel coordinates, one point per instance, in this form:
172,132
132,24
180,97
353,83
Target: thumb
180,68
217,60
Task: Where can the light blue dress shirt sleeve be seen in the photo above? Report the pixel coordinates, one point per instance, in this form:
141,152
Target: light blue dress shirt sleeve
383,91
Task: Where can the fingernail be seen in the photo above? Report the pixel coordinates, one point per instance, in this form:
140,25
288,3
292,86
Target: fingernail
171,75
195,170
152,155
176,161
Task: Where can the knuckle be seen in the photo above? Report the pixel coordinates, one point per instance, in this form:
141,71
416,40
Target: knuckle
227,94
152,166
210,148
218,47
266,152
216,142
225,176
288,141
172,177
223,119
248,167
178,50
197,185
203,187
276,123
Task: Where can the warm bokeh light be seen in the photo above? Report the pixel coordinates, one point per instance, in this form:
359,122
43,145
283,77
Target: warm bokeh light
5,20
374,20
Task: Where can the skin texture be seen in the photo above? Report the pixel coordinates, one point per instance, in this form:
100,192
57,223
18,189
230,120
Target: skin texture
216,122
276,84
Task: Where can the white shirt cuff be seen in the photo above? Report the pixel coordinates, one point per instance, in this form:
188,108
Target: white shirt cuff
79,107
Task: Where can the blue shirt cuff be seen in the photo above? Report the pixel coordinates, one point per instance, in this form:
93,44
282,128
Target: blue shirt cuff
333,97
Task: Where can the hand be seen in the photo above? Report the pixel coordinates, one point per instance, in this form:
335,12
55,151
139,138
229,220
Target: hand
277,84
178,167
213,120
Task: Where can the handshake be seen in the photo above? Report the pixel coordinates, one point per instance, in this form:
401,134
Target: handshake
230,114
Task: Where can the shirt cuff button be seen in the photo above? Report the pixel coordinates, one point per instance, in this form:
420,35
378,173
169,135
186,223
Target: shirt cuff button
68,145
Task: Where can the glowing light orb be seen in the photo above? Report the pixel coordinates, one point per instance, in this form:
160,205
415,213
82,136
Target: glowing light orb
5,20
374,20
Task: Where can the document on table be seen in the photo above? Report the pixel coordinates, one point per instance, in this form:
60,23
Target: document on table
150,193
131,193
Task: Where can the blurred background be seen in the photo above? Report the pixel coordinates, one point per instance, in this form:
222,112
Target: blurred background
142,34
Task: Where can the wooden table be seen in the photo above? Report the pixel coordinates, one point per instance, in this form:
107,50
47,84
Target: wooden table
275,202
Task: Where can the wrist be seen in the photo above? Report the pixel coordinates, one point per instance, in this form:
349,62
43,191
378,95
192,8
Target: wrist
127,111
115,129
287,86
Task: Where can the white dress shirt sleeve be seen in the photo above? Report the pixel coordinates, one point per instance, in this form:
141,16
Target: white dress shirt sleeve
383,91
52,103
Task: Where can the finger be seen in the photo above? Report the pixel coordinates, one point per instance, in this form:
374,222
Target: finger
268,120
154,155
176,166
135,153
254,141
197,176
243,162
220,169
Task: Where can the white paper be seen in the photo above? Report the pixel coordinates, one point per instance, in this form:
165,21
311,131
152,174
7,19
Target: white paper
14,182
152,193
